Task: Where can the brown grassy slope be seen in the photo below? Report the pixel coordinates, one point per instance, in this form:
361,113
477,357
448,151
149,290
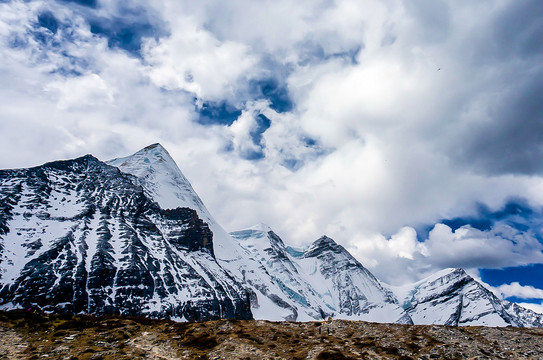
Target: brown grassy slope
25,335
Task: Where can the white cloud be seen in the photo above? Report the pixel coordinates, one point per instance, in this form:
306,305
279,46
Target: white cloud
85,91
192,59
520,291
241,130
401,258
468,247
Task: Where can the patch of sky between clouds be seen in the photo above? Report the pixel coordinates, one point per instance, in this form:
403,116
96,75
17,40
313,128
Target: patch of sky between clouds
88,3
524,275
124,30
516,213
273,91
216,113
262,124
222,112
126,34
51,34
45,30
522,300
47,20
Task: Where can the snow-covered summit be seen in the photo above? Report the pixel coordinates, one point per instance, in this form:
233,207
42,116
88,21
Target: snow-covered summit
452,297
324,243
163,182
161,178
260,227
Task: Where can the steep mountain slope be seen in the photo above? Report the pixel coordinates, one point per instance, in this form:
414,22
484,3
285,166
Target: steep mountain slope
281,292
325,280
257,257
346,286
162,180
452,297
81,236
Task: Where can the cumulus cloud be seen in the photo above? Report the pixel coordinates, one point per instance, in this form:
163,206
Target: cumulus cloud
467,247
361,120
402,258
83,91
193,60
523,292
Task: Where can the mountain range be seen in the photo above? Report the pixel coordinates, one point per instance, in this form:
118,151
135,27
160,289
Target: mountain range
130,236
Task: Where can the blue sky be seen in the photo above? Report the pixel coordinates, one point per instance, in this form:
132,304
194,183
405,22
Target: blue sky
410,132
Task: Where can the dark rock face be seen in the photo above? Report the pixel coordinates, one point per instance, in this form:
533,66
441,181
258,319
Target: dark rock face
80,236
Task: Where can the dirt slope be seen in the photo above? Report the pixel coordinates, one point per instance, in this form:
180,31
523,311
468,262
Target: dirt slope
27,335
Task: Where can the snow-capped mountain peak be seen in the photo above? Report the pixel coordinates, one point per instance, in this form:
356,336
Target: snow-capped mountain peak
325,244
323,280
163,182
452,297
161,178
260,227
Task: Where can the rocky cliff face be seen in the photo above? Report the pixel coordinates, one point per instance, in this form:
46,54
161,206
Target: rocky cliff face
163,182
81,236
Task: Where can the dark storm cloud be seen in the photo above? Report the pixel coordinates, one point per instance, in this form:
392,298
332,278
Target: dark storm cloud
433,18
511,142
508,136
518,29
